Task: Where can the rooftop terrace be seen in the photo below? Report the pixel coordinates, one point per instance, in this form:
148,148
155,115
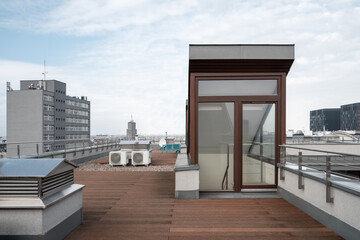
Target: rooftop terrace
141,205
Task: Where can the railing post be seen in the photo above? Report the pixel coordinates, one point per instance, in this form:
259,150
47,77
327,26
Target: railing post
37,150
52,148
83,150
75,149
329,199
65,150
282,162
18,151
300,178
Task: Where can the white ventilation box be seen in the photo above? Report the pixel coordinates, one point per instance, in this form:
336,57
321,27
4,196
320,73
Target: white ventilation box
117,158
140,157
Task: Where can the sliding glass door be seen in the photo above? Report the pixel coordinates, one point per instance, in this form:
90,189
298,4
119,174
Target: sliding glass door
219,125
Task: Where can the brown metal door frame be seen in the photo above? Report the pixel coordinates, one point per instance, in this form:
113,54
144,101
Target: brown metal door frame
240,147
238,102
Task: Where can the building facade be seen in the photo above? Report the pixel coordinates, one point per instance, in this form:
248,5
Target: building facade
42,118
236,115
131,130
350,117
325,119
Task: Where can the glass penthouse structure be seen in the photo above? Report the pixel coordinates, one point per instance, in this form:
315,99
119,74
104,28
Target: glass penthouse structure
236,114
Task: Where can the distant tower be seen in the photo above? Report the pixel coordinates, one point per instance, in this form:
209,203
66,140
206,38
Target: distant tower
131,131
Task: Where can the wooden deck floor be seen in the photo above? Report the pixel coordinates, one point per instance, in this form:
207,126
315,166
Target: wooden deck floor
141,205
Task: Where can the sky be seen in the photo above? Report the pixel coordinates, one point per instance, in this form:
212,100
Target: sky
130,57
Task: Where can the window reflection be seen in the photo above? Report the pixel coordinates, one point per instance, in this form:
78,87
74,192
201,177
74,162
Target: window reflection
216,145
258,144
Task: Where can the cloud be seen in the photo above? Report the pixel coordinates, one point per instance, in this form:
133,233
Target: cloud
136,60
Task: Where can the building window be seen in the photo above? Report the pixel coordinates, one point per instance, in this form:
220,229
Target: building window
237,87
48,127
48,108
48,117
48,98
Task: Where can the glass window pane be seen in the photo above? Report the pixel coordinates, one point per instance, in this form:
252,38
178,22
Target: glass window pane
237,87
216,146
258,144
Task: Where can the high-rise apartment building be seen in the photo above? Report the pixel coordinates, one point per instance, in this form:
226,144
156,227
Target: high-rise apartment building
350,117
325,119
131,131
41,118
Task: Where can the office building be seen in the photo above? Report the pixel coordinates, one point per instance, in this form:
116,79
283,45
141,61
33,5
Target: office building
325,119
42,118
350,117
131,131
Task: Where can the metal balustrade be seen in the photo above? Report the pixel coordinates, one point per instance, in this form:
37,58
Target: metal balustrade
57,148
335,165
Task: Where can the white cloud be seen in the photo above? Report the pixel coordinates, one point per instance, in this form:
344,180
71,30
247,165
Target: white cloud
137,63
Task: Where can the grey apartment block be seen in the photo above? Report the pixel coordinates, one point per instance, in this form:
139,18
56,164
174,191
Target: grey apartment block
41,118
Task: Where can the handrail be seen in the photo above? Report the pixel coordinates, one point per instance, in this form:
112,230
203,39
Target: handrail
225,178
322,151
326,165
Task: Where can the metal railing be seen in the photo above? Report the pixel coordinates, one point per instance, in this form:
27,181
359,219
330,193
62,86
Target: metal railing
333,164
310,140
50,148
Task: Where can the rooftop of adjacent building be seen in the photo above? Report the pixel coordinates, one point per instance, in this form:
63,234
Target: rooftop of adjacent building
53,86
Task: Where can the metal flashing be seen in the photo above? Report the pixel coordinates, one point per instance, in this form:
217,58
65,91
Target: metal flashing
31,167
242,51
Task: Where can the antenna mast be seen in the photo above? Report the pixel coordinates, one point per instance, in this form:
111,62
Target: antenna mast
45,72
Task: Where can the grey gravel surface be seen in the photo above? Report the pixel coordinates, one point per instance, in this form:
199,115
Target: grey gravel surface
91,166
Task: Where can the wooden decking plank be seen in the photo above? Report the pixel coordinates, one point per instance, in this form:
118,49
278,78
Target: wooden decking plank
141,205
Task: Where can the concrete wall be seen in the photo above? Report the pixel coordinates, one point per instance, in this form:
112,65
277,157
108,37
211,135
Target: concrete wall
80,155
24,120
57,213
186,178
212,170
51,218
255,171
343,211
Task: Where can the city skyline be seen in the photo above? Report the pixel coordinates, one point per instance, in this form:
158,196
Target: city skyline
131,58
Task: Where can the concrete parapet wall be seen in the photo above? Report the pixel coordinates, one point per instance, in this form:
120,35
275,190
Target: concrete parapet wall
342,216
186,178
80,155
52,218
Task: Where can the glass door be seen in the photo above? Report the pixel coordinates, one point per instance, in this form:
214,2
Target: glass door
258,144
216,146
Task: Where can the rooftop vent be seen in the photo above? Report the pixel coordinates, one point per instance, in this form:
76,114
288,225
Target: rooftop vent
34,177
38,198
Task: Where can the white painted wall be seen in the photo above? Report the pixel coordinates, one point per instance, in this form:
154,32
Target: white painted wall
212,170
346,206
187,180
